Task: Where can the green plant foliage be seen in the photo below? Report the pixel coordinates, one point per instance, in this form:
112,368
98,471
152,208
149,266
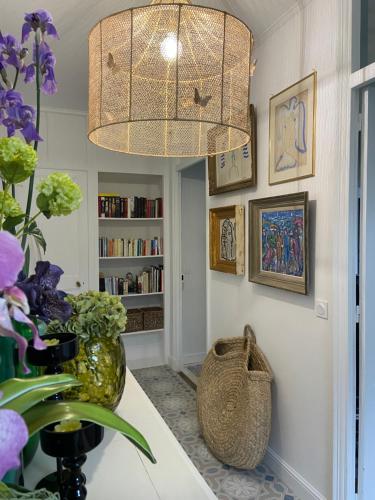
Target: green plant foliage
9,207
15,492
15,387
58,195
30,399
95,314
50,412
34,231
17,160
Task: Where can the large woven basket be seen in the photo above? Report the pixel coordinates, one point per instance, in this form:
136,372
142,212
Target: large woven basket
234,401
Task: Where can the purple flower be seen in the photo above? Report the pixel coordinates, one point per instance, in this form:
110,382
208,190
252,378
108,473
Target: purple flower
45,301
22,117
13,437
13,302
47,62
11,260
40,19
15,115
11,52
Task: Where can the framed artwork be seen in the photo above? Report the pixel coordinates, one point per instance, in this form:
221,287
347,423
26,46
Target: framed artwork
279,242
292,132
236,169
227,241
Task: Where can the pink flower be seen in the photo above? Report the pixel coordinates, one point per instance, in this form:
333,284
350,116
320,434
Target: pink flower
13,301
13,437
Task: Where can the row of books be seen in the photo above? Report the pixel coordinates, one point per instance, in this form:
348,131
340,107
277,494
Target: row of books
120,247
149,280
132,207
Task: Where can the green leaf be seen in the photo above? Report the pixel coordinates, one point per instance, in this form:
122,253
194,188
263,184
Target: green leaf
5,491
50,412
34,231
15,387
11,223
32,398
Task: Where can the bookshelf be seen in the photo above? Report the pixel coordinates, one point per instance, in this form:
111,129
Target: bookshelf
130,246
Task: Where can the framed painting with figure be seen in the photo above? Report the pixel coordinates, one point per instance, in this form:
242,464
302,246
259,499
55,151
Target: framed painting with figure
292,132
279,242
236,169
227,242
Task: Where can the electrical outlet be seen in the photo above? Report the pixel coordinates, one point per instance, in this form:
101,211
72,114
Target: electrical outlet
321,309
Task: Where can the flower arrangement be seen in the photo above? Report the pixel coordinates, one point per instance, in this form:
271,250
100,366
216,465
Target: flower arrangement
94,314
58,194
97,319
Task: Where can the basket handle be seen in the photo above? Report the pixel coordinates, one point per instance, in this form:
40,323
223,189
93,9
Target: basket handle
249,334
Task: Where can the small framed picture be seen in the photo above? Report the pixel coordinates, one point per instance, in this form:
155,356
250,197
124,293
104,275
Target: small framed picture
227,241
279,242
236,169
292,132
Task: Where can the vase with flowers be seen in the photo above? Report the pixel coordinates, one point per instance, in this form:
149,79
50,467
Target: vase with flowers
98,319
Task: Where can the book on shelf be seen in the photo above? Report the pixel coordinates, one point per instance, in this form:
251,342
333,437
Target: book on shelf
149,280
122,247
112,205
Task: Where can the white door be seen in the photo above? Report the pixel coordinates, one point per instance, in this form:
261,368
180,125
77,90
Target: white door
66,237
193,263
366,462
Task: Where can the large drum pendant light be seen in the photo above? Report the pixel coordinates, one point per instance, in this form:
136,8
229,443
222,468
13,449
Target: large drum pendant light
169,79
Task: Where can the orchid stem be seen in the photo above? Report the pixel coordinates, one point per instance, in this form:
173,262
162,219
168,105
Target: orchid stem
27,224
5,190
31,180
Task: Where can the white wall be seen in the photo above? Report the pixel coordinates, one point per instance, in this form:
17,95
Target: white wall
296,342
66,147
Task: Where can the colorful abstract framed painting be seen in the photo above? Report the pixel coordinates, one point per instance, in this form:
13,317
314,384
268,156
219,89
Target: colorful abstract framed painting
227,239
236,169
292,132
279,242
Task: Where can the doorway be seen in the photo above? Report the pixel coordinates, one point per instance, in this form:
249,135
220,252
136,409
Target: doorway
193,269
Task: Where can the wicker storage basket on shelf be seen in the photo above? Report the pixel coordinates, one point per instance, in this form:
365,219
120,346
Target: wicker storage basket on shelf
153,318
234,401
135,320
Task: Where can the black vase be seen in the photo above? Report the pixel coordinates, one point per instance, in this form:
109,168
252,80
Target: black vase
72,448
54,356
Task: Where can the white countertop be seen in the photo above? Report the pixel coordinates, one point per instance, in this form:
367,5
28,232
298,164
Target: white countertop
117,470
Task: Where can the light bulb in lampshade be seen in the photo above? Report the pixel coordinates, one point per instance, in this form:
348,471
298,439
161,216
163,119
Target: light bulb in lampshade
169,47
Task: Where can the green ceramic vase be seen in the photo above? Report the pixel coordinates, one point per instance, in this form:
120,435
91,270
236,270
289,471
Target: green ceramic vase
10,368
101,367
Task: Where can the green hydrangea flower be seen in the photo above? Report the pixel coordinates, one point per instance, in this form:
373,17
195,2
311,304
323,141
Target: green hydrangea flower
9,207
58,195
17,160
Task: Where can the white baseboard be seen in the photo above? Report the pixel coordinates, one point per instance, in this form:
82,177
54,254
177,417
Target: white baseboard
135,364
172,362
297,483
189,359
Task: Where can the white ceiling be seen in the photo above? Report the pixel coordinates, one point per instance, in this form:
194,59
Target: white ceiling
74,19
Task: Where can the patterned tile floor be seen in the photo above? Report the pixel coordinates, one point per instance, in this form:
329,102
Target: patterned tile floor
176,402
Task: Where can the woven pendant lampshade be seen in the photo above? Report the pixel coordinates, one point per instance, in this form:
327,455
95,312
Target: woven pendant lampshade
169,79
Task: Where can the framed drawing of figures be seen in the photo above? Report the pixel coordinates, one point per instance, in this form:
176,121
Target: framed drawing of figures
292,132
279,242
227,242
236,169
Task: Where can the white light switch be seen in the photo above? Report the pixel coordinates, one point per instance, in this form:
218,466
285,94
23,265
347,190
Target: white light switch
321,309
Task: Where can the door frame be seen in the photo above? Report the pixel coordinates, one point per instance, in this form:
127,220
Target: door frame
353,81
176,358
